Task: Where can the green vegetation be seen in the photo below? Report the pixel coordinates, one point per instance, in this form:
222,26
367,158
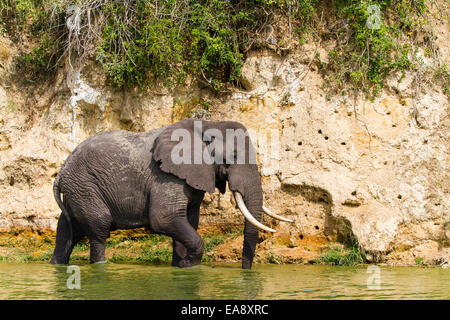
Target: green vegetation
369,47
140,42
419,261
442,74
348,254
211,241
12,106
338,256
272,258
20,18
123,246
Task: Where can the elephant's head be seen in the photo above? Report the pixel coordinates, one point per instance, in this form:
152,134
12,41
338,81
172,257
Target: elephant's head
207,154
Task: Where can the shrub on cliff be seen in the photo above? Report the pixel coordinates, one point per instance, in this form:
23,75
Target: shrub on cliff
140,41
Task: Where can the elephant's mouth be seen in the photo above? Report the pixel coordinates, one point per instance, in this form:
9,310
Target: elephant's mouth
251,219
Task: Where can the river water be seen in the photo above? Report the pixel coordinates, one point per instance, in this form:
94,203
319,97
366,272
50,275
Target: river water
220,281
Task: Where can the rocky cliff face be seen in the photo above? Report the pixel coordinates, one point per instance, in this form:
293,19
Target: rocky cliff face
376,171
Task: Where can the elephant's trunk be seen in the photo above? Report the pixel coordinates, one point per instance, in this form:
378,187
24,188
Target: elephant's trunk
253,202
245,183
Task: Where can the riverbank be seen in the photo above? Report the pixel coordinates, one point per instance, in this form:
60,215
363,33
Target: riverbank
138,246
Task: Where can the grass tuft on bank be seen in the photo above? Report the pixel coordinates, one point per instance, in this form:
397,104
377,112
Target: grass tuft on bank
348,253
339,256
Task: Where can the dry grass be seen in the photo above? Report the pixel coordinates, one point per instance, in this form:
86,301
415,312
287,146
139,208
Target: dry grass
4,52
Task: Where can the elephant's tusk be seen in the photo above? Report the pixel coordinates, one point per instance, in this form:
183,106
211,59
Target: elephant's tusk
248,215
275,216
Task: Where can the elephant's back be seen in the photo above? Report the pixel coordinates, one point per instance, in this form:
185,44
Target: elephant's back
113,166
113,147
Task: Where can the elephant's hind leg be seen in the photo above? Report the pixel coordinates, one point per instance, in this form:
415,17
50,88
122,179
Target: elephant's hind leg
97,224
64,244
97,249
97,236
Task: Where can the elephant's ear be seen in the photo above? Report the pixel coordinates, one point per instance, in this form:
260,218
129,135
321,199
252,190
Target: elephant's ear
171,151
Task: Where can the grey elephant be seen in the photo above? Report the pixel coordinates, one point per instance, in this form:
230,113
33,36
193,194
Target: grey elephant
124,180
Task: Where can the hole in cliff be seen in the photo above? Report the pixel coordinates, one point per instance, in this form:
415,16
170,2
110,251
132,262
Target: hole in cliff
354,193
300,143
385,163
343,143
388,113
394,125
351,203
320,131
310,193
316,227
11,181
399,196
437,204
301,237
326,137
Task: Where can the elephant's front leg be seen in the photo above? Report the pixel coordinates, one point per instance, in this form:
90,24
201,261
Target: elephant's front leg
172,220
187,245
179,250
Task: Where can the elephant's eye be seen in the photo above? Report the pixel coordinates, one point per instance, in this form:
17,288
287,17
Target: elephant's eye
232,159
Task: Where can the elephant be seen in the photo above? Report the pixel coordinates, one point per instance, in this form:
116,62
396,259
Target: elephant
124,180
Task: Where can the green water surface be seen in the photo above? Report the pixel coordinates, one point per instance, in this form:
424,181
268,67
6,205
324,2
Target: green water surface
221,281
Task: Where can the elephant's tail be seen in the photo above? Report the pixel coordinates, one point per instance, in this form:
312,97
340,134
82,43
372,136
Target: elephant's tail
57,194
